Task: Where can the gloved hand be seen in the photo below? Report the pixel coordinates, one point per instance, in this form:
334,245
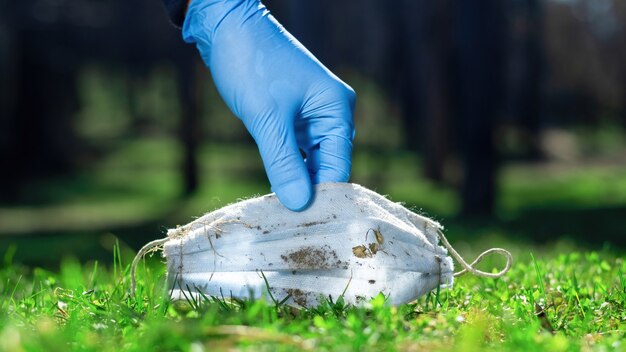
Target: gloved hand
285,97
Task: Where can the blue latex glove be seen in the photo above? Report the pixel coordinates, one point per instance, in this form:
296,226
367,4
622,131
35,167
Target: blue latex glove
285,97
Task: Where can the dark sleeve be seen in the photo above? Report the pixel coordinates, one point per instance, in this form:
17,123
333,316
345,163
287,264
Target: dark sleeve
176,10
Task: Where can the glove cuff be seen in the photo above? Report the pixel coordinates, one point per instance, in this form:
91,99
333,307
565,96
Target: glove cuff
176,11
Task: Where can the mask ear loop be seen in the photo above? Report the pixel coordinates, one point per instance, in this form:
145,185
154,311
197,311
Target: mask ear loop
472,267
149,247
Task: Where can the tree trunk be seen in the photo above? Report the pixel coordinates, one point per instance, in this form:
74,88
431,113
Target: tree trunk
530,107
480,44
189,125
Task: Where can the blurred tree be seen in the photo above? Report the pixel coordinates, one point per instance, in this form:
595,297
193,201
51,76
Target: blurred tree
530,85
189,125
41,140
50,41
431,41
8,62
586,55
480,33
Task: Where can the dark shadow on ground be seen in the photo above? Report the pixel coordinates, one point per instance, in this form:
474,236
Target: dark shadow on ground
593,227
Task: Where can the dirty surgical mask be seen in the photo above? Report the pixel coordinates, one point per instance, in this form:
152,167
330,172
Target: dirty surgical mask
350,242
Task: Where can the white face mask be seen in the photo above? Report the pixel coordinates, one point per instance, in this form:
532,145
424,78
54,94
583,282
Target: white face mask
351,241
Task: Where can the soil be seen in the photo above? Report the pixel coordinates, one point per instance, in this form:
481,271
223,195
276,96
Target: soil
312,258
299,296
312,223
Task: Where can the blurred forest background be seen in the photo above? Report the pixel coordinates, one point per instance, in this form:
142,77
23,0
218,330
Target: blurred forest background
504,116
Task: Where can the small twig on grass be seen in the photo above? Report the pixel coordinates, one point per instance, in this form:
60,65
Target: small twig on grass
540,313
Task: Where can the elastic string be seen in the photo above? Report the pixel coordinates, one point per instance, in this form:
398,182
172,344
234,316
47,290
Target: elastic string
472,267
149,247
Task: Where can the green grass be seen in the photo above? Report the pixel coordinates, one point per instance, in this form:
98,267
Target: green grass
553,300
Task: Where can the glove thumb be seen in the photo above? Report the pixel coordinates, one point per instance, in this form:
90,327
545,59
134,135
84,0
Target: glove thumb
285,167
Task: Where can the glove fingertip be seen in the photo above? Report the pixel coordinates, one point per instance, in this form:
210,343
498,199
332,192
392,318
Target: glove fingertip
295,195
